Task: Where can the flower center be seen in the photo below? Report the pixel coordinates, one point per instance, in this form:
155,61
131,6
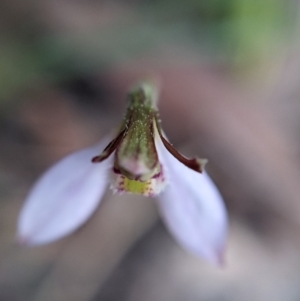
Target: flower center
150,187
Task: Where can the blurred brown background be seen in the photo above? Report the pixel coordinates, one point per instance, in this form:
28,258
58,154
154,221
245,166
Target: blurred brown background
230,73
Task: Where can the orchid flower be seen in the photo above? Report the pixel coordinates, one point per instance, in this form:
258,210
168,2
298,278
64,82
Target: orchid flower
139,160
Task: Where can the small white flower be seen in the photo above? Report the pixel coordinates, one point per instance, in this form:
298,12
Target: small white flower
138,160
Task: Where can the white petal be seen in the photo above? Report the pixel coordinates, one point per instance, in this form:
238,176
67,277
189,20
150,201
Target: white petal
64,197
193,209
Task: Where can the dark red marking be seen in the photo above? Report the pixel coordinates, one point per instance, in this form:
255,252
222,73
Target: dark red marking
110,148
191,163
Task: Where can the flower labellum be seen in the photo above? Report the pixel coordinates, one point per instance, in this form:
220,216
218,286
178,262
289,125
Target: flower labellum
139,160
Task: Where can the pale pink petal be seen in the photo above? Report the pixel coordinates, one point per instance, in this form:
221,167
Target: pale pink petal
64,197
192,209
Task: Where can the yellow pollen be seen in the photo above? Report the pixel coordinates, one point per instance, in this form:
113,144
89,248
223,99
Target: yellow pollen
136,186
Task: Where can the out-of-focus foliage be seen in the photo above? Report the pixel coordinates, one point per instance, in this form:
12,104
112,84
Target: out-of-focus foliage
258,26
240,31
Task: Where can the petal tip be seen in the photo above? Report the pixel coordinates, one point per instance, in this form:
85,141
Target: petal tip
214,257
220,259
217,256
